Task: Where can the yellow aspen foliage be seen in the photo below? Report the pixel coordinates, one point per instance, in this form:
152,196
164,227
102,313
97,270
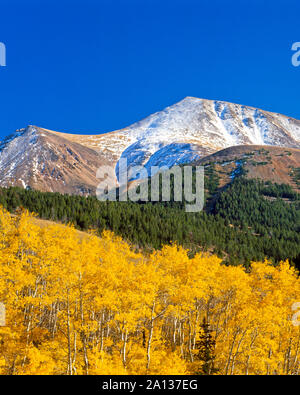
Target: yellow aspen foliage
92,305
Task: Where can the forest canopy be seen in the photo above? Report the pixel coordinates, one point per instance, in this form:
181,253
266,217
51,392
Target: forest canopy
90,305
249,220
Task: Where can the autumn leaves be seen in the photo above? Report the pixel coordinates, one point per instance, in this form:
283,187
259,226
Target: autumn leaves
94,306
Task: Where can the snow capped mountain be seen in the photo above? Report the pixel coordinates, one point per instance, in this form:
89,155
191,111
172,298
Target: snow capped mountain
211,125
34,158
181,133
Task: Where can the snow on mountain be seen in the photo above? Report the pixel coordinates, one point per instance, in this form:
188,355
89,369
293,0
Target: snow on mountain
212,125
181,133
34,158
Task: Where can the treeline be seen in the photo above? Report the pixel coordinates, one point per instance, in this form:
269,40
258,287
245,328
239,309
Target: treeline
263,209
242,223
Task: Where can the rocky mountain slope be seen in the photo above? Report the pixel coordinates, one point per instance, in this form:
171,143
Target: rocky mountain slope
34,159
276,164
184,132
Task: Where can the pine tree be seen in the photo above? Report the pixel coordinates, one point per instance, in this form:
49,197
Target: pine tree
206,350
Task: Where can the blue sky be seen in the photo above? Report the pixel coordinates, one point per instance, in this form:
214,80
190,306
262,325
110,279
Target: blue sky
95,66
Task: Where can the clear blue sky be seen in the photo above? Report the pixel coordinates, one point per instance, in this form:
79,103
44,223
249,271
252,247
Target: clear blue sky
99,65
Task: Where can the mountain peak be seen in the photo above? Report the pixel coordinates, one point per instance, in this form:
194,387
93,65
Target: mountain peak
182,133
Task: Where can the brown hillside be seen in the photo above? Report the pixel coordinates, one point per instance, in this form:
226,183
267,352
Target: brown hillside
269,163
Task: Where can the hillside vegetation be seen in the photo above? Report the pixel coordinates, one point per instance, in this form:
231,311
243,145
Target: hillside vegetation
94,306
249,220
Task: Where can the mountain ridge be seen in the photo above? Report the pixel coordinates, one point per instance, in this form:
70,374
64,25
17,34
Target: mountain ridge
181,133
268,163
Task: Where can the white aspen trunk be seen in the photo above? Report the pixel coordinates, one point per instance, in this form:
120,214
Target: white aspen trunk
150,337
70,368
